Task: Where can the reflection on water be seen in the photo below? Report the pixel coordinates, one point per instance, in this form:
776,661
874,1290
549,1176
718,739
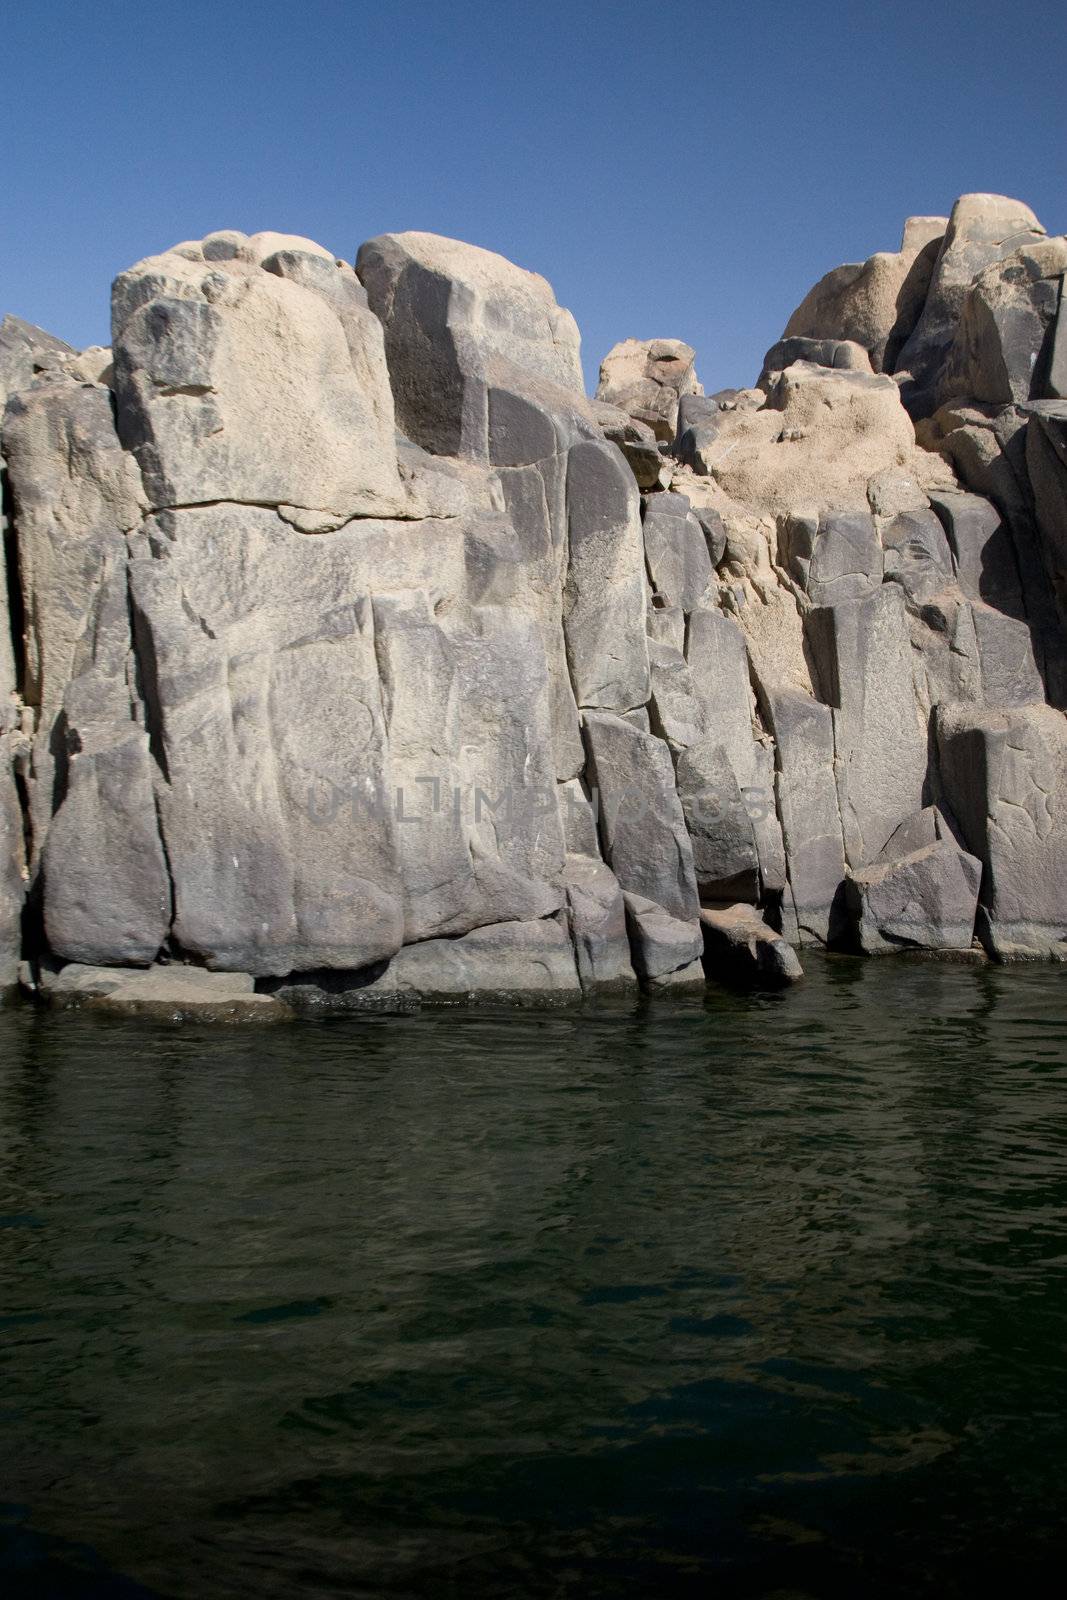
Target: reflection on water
763,1296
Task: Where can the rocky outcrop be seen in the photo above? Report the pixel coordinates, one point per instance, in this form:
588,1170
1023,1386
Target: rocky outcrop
351,652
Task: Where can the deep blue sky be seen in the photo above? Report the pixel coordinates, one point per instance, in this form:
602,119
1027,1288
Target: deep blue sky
675,169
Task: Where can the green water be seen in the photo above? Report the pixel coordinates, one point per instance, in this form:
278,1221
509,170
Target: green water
765,1296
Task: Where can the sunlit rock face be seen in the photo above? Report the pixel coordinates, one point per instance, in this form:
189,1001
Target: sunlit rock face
350,648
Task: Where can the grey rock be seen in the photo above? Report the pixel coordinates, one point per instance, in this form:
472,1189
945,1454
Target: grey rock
982,549
666,626
739,944
922,828
1002,350
983,228
166,993
76,494
24,351
458,322
664,946
597,917
676,551
718,661
808,807
843,354
1046,462
917,555
642,826
12,862
107,895
468,717
834,557
1005,778
604,591
1009,670
720,829
511,963
926,899
676,710
862,652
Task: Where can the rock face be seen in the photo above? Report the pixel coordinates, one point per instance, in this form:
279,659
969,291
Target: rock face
539,697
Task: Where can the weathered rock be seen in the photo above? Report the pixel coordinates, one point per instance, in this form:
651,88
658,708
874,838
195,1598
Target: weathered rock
982,549
718,662
468,717
233,382
24,351
646,378
917,555
1002,351
983,228
460,321
808,805
604,590
863,656
512,963
739,944
877,302
107,895
720,829
842,354
76,494
12,861
1005,778
837,556
597,918
642,827
676,710
170,993
664,946
1046,461
635,439
816,444
676,551
925,899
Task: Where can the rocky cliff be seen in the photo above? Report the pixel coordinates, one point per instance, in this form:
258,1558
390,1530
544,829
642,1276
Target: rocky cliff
354,656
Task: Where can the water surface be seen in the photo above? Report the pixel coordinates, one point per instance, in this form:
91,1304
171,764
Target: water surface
762,1296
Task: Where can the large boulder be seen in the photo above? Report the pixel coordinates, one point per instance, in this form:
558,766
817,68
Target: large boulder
926,899
1002,351
646,378
983,229
461,323
252,370
875,303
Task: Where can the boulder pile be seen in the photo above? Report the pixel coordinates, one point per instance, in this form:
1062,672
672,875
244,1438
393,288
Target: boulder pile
350,649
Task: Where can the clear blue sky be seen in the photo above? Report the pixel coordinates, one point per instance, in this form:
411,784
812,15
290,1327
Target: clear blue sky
675,169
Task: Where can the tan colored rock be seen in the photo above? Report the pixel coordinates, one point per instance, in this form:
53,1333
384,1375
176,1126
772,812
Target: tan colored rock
256,380
816,444
646,377
875,302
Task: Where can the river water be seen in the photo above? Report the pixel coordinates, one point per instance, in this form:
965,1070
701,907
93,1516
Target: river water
764,1295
